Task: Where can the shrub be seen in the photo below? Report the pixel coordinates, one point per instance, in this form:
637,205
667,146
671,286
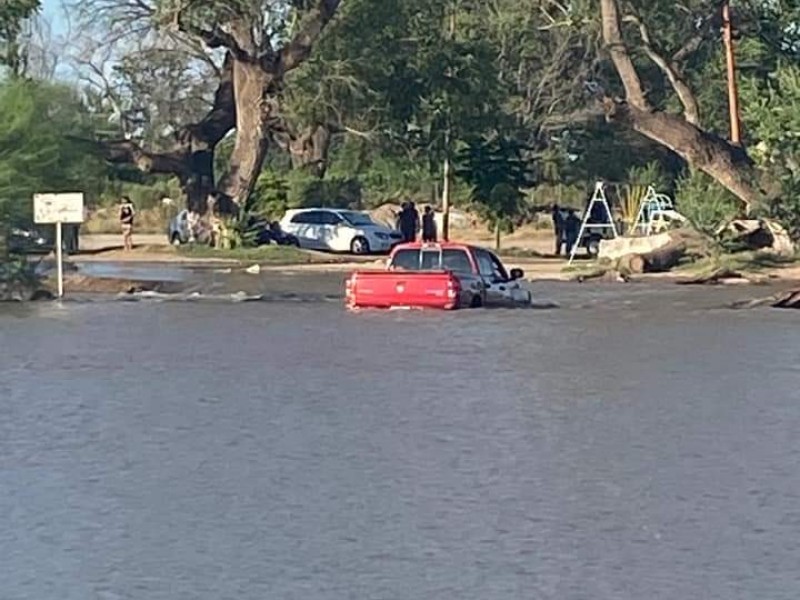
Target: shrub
706,204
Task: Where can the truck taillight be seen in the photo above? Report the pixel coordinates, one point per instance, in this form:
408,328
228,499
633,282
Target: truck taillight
453,288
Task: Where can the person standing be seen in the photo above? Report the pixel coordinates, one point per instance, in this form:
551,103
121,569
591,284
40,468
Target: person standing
572,227
558,227
428,225
399,218
126,215
414,221
409,222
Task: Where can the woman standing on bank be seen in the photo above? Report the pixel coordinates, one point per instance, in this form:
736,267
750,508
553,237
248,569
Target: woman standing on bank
126,215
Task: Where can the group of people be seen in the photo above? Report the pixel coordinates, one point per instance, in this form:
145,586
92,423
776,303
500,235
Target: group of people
210,229
566,229
409,223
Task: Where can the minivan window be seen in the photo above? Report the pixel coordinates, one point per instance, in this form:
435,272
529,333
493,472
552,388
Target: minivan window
330,218
310,217
356,218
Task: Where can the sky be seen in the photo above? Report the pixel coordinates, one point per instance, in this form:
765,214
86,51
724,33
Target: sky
52,11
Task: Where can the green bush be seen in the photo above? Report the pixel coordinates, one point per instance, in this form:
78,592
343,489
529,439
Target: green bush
706,204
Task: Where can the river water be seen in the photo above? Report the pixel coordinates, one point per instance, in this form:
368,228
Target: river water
637,442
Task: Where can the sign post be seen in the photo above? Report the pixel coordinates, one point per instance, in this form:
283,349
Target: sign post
57,209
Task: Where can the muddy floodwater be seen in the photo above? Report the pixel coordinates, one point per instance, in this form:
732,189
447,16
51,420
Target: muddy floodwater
639,442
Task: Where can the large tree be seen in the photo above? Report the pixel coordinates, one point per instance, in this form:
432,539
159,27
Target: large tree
259,42
629,32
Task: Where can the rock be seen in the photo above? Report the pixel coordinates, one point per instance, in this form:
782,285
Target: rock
615,249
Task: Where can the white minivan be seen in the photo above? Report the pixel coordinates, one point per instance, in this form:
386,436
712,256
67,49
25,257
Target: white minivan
339,230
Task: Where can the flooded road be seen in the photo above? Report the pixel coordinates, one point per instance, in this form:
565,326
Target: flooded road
636,443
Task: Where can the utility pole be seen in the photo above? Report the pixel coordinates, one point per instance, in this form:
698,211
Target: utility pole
447,135
733,93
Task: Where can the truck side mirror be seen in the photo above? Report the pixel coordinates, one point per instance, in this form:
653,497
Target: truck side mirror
517,274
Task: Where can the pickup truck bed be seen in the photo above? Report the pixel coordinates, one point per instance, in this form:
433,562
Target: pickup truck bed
401,289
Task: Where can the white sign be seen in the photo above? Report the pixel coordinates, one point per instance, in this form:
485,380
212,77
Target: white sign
58,208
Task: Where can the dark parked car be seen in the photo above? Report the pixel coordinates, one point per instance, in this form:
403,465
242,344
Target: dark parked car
41,240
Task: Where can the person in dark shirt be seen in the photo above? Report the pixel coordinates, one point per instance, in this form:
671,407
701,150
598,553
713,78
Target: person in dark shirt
428,225
572,227
409,222
558,228
126,216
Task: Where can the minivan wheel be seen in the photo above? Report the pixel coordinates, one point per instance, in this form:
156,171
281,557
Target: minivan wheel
359,245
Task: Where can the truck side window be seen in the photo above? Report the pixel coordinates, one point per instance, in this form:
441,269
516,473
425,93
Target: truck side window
456,261
499,269
485,265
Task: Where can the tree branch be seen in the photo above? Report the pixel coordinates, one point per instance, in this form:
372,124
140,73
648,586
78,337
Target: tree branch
301,44
222,116
691,109
612,36
129,152
213,38
706,31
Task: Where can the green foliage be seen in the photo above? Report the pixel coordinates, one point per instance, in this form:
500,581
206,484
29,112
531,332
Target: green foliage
771,110
706,204
19,278
37,150
486,163
275,193
496,171
270,197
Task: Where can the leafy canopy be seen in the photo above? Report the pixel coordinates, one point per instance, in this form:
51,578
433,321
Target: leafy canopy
37,152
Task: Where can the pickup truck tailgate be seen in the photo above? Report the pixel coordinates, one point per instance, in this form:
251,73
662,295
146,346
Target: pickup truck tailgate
387,289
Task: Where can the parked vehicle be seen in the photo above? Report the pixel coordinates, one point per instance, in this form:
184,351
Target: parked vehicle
22,240
339,231
590,241
178,229
41,240
446,276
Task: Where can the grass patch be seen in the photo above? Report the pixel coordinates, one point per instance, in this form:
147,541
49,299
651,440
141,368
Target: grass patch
274,255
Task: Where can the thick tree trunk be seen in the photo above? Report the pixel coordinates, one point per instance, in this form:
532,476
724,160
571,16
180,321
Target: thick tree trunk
729,165
191,157
309,151
256,98
198,182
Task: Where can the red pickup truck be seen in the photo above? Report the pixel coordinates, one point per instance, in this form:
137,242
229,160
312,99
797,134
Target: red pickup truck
445,276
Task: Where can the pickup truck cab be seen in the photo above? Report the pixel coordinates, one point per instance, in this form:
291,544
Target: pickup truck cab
447,276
